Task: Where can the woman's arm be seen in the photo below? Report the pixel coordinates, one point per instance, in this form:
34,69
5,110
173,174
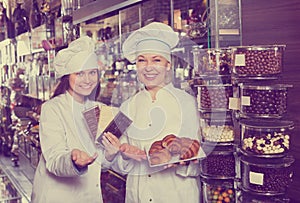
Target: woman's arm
54,144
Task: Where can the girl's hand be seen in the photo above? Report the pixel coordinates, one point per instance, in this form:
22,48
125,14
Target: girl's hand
111,144
81,159
132,152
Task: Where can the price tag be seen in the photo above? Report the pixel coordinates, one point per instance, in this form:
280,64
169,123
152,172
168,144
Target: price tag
256,178
234,103
246,101
239,60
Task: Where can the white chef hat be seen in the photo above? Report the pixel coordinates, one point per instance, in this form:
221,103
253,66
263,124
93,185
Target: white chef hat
80,55
155,37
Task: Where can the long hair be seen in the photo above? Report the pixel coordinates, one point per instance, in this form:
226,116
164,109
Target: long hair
63,85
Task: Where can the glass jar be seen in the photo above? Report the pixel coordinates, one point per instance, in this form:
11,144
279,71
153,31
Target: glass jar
214,97
263,101
217,127
212,62
219,164
257,61
266,176
266,138
217,190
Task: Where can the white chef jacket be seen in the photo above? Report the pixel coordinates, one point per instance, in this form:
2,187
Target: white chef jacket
62,129
155,184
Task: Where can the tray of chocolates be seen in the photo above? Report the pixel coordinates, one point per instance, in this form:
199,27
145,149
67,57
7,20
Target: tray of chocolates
257,61
266,138
173,149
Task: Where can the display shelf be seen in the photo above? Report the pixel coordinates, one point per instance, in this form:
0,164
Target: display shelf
8,192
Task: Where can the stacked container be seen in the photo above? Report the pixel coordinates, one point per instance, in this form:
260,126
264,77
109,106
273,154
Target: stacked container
243,127
214,90
265,163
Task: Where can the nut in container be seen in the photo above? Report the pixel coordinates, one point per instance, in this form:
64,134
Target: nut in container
266,138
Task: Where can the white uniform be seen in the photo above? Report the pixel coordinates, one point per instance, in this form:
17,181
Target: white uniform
155,184
61,130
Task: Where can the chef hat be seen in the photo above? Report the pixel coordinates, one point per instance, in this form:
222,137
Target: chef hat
155,37
78,56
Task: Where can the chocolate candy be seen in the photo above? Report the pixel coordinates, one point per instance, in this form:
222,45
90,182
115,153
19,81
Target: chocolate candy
217,130
215,133
214,96
268,176
257,60
212,61
265,137
218,164
218,190
264,101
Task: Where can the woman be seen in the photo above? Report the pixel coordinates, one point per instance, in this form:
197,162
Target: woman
70,165
150,47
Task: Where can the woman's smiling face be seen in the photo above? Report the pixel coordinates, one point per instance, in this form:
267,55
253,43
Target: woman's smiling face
152,70
82,83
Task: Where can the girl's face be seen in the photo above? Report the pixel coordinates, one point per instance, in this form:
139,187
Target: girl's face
152,70
82,83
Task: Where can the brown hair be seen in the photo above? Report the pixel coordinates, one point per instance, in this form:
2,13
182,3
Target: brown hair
64,85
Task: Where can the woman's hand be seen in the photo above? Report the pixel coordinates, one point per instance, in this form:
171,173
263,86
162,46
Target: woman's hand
111,144
81,159
133,152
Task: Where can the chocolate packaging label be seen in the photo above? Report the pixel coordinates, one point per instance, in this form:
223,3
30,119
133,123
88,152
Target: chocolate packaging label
91,117
105,119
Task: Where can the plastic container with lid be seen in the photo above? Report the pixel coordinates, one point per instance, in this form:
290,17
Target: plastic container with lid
266,138
217,190
266,176
263,100
257,61
250,197
214,97
219,163
217,127
212,61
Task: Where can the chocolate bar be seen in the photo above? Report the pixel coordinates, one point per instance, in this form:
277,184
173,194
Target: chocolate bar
91,117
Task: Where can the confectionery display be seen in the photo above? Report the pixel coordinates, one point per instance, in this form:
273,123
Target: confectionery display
218,190
260,164
219,164
172,149
266,138
216,133
268,176
217,129
257,60
250,197
214,96
212,61
264,101
8,192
